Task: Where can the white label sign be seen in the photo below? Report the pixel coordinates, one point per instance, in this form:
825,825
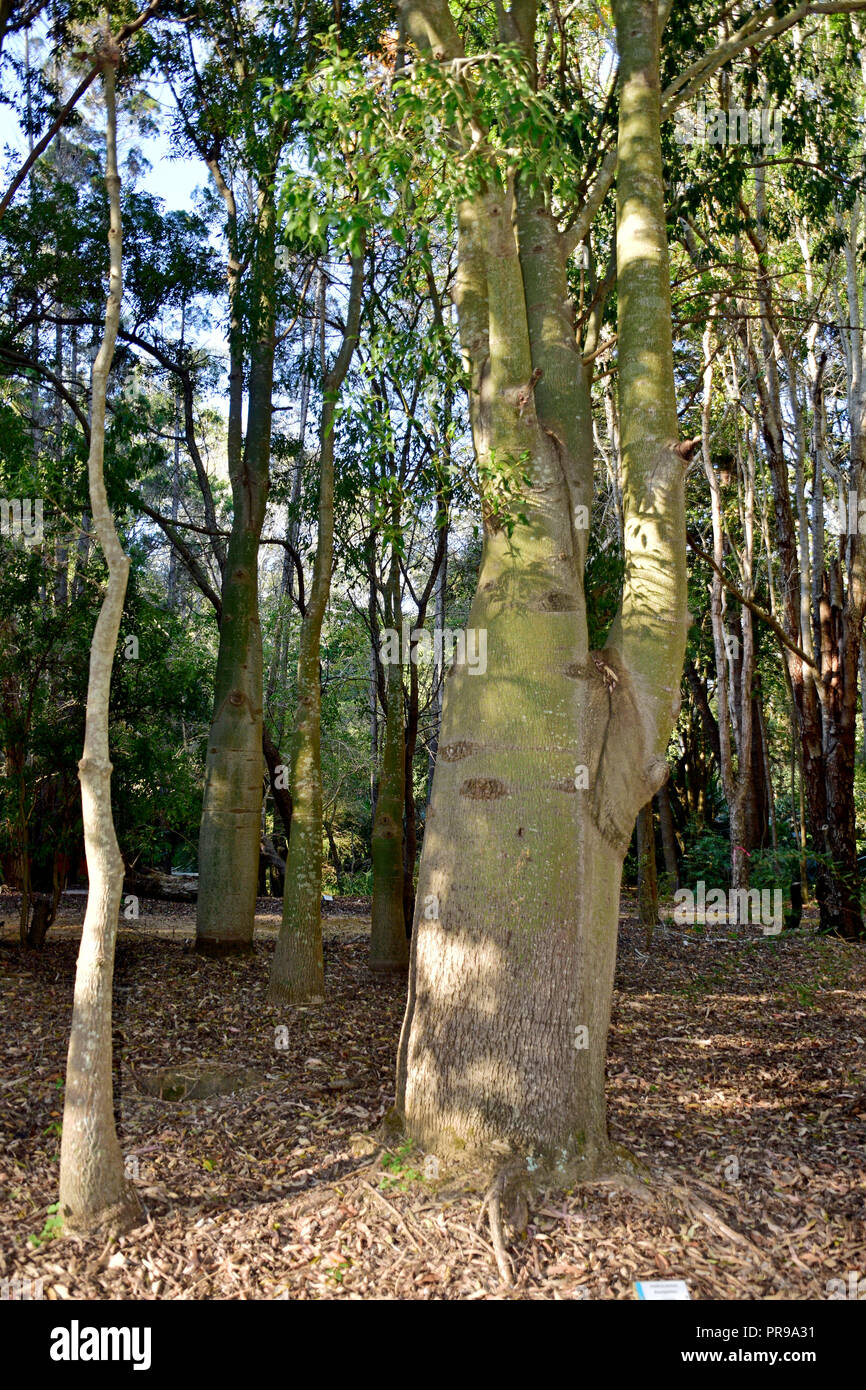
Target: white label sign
662,1288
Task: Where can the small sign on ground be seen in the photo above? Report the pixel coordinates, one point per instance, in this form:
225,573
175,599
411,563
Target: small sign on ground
654,1289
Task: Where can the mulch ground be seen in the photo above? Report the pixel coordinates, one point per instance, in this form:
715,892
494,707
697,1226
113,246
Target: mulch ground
737,1075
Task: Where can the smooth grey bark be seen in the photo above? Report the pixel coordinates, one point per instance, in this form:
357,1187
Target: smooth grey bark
546,759
94,1192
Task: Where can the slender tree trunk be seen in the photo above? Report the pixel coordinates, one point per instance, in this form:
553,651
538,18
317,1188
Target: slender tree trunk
669,838
373,718
94,1192
409,847
758,804
733,666
841,631
827,792
376,688
438,669
708,720
276,771
231,814
175,475
61,553
297,975
82,557
768,774
389,948
647,879
15,754
335,855
844,619
410,811
276,672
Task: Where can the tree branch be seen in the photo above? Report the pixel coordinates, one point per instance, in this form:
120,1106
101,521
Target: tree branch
753,607
748,35
18,359
42,145
183,550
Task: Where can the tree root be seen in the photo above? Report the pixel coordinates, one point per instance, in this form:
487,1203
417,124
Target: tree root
508,1189
494,1214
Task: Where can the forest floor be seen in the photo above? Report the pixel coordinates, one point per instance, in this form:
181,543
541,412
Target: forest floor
736,1074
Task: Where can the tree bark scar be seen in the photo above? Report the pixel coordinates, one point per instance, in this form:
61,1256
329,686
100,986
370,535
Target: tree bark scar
484,401
555,601
526,394
558,444
483,788
453,752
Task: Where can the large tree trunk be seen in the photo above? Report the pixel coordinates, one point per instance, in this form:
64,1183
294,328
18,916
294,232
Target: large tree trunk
94,1192
545,759
231,813
298,973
